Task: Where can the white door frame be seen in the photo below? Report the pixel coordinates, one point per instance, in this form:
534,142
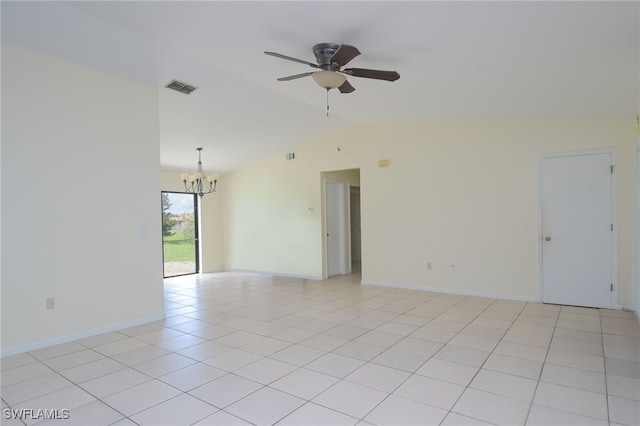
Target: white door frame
614,217
349,230
636,232
345,231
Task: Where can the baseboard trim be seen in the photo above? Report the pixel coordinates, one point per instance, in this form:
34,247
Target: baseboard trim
276,274
450,291
27,347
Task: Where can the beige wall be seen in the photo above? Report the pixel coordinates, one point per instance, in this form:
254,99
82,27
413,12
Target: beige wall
212,258
463,193
80,202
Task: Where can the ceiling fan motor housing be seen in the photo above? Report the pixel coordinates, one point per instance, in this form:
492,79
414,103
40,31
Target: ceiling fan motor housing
323,53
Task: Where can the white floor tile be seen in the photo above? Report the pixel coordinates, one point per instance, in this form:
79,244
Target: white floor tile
222,418
181,342
303,383
233,360
92,370
68,398
573,377
57,350
205,350
34,388
480,357
624,387
448,371
311,414
95,413
483,406
298,355
181,410
434,392
360,350
140,355
433,334
350,398
335,365
395,411
225,390
114,382
520,350
624,411
378,377
193,376
622,347
119,346
164,365
455,419
474,342
24,373
577,401
13,361
73,359
545,416
513,365
401,359
468,356
265,407
324,342
503,384
141,397
574,360
265,370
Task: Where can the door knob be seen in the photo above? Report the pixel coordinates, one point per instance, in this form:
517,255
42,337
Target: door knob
547,238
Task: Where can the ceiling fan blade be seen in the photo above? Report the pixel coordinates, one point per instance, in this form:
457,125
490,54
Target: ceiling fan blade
346,88
377,74
293,77
289,58
344,54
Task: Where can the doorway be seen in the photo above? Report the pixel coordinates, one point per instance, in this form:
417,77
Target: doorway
341,222
577,204
335,235
354,220
180,251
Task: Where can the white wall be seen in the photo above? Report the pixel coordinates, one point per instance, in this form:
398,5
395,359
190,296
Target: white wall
210,218
463,193
80,201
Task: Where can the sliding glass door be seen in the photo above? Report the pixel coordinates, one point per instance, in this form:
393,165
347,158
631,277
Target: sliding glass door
179,233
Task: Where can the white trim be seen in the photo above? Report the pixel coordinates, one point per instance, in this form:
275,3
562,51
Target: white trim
27,347
451,291
635,267
613,302
275,274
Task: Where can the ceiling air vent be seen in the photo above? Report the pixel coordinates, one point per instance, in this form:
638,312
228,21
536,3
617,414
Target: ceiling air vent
181,87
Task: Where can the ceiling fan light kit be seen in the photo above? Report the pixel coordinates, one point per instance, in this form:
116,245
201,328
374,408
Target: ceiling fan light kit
329,79
330,58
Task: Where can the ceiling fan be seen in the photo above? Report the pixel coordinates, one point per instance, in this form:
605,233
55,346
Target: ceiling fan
330,58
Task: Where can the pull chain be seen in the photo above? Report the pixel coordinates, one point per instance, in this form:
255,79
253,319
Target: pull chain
327,102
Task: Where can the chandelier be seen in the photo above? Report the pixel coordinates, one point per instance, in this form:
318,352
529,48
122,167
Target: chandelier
199,183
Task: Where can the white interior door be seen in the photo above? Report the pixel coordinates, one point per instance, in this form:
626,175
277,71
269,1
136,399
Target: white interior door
335,225
577,232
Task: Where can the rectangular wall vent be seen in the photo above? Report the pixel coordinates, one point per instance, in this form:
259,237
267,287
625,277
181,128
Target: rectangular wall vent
291,156
181,87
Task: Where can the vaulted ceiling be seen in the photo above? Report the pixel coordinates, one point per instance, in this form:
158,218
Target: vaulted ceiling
457,60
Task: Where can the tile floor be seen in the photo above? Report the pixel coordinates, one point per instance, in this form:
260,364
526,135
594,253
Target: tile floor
239,349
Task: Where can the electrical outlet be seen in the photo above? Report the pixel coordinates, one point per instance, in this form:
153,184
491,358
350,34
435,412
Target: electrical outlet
453,267
50,303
